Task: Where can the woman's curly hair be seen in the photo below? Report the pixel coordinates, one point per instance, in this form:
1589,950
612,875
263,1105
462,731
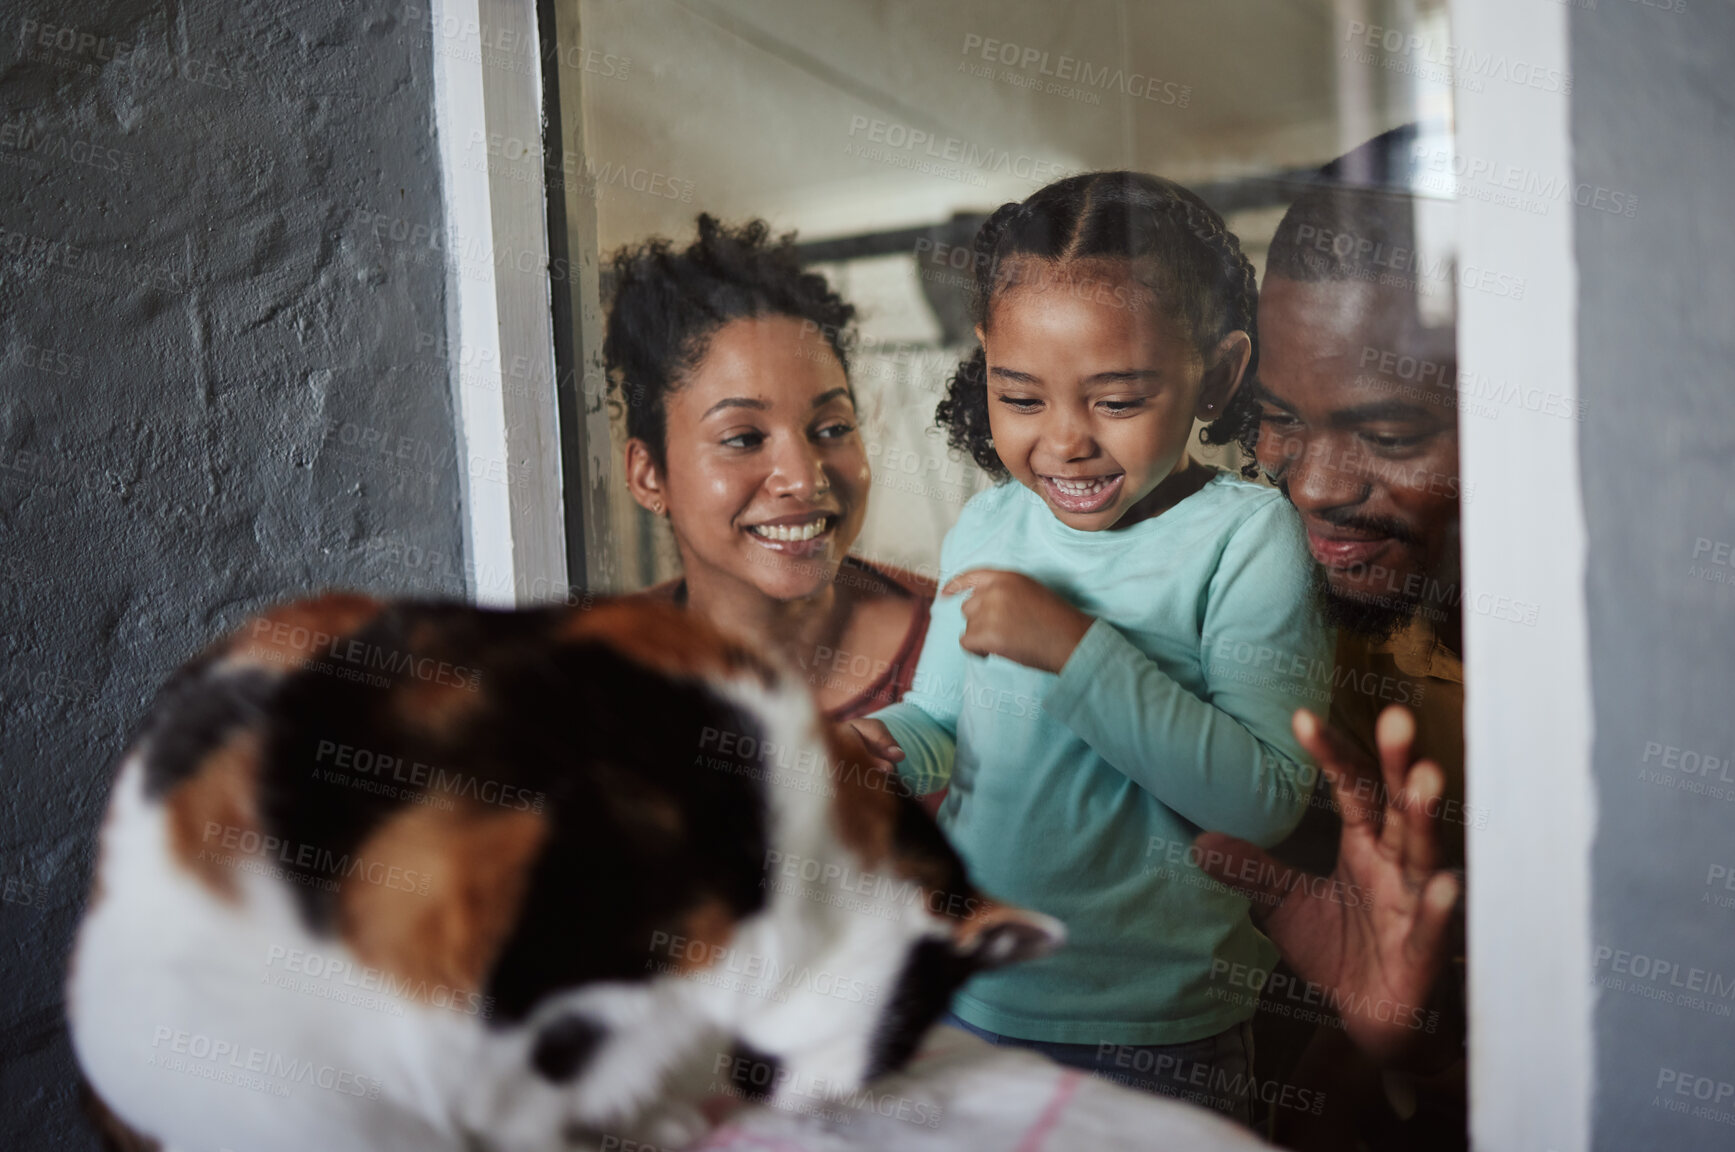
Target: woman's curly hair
664,307
1180,249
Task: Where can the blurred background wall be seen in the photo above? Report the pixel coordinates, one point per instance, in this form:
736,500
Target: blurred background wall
222,382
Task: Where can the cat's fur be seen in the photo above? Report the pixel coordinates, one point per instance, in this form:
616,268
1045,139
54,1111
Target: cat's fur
424,876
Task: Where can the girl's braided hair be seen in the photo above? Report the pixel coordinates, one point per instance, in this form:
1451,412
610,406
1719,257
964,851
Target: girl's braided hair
1179,249
665,305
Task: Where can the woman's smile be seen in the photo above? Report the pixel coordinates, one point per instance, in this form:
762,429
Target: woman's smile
805,534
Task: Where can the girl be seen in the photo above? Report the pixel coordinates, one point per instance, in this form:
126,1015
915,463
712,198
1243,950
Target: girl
1122,636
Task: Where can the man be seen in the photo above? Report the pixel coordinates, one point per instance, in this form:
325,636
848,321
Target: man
1359,430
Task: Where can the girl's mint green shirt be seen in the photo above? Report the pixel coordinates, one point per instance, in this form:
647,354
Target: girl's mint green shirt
1079,794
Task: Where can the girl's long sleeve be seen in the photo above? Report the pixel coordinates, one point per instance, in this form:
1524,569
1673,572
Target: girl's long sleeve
925,721
1225,759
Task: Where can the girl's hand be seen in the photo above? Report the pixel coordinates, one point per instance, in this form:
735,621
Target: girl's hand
1009,614
876,743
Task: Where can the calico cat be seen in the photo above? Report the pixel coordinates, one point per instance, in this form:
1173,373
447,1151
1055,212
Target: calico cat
419,875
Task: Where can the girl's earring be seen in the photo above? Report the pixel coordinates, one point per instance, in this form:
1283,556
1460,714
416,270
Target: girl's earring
656,507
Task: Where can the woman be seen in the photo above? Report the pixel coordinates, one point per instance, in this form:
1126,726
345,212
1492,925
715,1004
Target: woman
731,362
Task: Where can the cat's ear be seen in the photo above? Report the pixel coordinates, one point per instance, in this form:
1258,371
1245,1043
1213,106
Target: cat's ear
998,934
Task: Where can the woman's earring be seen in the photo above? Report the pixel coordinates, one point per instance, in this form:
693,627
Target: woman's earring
656,507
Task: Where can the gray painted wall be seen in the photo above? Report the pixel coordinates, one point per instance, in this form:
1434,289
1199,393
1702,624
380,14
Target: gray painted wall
220,384
1651,116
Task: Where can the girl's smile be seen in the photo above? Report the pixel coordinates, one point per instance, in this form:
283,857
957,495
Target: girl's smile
1082,495
1092,402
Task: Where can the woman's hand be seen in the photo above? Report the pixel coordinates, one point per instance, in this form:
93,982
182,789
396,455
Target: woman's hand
1377,935
875,743
1009,614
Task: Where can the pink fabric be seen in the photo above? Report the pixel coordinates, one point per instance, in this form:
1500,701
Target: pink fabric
1063,1094
729,1137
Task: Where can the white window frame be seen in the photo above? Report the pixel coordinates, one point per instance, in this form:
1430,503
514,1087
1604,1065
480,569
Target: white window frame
1528,703
1527,715
500,342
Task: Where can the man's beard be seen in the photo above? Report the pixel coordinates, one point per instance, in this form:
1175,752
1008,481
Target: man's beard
1377,616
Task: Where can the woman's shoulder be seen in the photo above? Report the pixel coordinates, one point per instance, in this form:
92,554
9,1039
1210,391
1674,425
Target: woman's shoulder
870,576
893,625
669,591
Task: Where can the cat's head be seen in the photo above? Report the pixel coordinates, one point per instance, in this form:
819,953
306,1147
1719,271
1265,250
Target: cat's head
802,901
871,925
